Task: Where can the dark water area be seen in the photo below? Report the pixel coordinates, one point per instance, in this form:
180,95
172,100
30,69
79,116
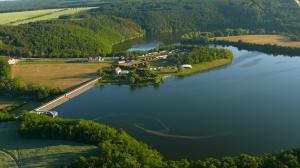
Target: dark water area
251,106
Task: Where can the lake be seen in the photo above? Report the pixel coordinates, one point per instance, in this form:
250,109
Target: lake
251,106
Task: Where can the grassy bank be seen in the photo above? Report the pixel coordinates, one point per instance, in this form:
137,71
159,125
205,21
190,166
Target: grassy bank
203,67
263,39
36,153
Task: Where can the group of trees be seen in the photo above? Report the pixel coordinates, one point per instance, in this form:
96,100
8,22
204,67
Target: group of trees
81,37
137,76
203,54
119,150
205,37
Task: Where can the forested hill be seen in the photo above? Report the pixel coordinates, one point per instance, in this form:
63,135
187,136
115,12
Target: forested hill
72,38
158,16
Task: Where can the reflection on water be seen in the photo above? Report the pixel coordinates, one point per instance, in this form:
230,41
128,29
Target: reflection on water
251,106
147,43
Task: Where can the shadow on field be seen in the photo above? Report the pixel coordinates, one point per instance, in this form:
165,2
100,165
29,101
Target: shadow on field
39,152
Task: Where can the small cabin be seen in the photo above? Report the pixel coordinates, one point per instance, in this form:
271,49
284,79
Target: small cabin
186,66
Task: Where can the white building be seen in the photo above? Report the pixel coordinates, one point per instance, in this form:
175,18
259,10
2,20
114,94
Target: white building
186,66
120,72
12,61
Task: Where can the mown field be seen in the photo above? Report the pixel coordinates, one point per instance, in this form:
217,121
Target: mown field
263,39
61,75
30,153
16,18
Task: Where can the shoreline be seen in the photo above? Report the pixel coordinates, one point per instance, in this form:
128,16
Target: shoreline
198,68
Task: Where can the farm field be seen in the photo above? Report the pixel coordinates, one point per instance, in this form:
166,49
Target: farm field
16,18
36,153
263,39
61,75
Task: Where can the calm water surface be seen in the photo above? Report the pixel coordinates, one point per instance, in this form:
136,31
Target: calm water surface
251,106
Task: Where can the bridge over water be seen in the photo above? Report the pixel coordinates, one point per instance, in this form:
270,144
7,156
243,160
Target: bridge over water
45,108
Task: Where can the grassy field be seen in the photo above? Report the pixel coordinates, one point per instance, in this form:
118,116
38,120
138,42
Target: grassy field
61,75
203,67
263,39
36,153
16,18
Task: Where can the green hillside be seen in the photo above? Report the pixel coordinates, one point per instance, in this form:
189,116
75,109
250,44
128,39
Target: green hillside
88,36
158,16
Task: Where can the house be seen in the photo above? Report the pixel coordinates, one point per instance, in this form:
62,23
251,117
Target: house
186,66
95,59
12,61
118,70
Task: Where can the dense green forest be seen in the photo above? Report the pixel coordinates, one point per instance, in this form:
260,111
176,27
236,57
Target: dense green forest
158,16
119,150
85,35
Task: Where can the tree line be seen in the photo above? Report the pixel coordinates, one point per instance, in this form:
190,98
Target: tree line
119,150
205,37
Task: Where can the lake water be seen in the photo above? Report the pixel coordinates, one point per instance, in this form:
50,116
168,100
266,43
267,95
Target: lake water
251,106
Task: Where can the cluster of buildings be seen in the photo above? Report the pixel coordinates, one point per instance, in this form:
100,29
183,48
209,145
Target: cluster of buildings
95,59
